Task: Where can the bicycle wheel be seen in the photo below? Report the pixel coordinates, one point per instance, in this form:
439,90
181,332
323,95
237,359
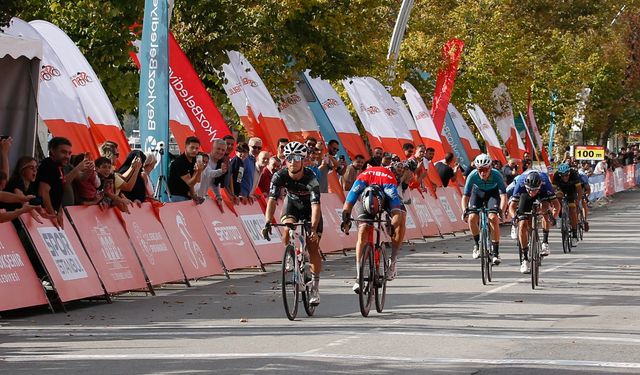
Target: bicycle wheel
366,280
305,270
534,258
382,266
566,245
487,246
290,290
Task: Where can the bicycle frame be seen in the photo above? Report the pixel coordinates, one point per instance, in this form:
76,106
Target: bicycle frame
485,246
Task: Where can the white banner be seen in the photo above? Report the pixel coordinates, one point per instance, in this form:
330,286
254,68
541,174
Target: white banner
254,225
296,114
421,114
63,254
333,105
484,126
463,129
257,94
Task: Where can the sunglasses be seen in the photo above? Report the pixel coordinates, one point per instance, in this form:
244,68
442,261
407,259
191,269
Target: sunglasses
485,169
256,147
292,158
311,144
532,190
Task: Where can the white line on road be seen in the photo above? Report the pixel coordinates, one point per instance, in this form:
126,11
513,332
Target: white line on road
215,356
506,286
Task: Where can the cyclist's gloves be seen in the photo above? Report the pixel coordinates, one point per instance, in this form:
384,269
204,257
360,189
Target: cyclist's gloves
266,231
465,214
346,222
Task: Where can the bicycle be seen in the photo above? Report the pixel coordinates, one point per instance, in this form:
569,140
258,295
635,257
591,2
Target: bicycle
581,220
296,278
486,264
565,227
535,245
374,266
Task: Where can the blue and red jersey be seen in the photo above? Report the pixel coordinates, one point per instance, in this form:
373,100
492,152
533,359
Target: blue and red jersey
380,176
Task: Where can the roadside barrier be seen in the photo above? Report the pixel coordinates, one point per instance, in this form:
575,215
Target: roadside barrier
19,285
100,253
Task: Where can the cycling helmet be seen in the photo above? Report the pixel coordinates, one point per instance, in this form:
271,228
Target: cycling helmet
564,168
482,161
371,200
296,149
533,180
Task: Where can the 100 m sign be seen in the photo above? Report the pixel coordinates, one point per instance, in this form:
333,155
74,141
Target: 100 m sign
589,152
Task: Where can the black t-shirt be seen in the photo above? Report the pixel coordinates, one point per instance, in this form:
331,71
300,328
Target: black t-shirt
12,185
51,173
178,168
445,172
507,172
306,189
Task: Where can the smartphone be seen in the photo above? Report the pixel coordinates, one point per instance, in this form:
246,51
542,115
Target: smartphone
341,157
199,159
37,201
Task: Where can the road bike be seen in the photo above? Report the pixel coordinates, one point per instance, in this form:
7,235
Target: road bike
296,278
486,264
535,245
374,265
565,227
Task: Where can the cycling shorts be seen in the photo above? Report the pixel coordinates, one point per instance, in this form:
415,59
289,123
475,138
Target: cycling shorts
481,198
298,210
358,211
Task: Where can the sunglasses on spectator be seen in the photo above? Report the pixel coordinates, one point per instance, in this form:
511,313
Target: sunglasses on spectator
256,147
311,144
292,158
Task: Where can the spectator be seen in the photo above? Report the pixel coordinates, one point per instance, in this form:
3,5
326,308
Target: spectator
50,177
352,172
329,164
231,142
445,170
147,167
510,171
311,143
339,163
267,173
109,185
586,169
386,159
22,181
7,198
313,161
109,150
134,188
215,171
261,163
5,147
280,152
526,159
376,159
184,172
205,157
601,167
85,185
249,175
236,170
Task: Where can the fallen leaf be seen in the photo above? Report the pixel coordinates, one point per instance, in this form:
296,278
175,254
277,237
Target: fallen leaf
519,301
243,320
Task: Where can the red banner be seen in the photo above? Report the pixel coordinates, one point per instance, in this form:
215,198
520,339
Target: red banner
72,274
150,241
19,284
451,53
207,121
108,247
190,240
425,219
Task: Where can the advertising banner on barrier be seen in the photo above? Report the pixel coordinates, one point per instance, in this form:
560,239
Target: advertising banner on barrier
228,236
609,186
453,198
19,284
618,180
150,241
426,220
598,185
638,174
72,274
252,219
439,214
629,176
332,205
412,224
190,240
108,246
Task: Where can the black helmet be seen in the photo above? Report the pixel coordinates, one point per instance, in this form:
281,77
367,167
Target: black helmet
371,200
533,180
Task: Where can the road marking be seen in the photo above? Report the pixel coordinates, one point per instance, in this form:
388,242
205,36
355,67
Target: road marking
424,360
521,280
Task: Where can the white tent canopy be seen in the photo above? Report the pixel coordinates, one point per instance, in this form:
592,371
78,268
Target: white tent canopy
20,66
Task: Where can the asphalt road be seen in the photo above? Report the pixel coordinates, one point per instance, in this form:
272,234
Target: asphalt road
439,318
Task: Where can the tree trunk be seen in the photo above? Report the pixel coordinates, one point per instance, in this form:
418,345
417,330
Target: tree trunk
606,132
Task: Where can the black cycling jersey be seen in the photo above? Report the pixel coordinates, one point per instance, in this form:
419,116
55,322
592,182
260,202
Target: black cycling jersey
569,187
304,190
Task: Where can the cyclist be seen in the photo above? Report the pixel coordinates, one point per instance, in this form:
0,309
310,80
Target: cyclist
567,183
378,187
302,202
586,192
485,187
532,186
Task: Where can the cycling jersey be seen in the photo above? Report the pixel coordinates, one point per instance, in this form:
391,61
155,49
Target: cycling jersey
306,189
546,188
495,181
382,177
568,187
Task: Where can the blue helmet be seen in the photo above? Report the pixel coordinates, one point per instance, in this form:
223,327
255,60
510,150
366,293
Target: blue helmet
564,168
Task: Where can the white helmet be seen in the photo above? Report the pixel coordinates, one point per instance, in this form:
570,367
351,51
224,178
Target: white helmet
482,160
295,148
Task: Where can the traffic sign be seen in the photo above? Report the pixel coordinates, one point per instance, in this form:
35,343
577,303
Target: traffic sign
589,152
